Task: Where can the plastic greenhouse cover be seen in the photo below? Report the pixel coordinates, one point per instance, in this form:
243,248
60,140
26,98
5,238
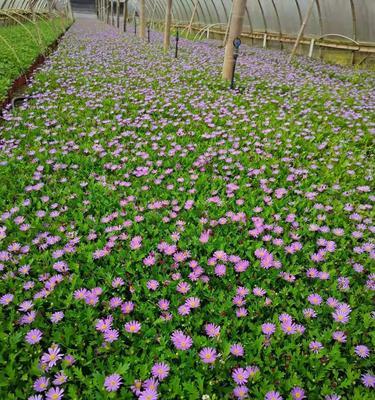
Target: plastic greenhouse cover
353,19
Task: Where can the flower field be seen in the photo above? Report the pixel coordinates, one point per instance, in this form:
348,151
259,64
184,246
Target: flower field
163,237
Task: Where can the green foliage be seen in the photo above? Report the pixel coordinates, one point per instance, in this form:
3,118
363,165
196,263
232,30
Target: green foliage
21,44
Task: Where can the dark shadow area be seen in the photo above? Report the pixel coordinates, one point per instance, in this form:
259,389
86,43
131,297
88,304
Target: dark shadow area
83,6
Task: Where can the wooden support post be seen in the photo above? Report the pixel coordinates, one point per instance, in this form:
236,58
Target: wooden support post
167,26
302,30
125,14
107,10
311,50
142,19
193,16
235,31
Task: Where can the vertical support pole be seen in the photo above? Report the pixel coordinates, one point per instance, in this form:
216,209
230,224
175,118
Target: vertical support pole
125,14
193,16
177,39
107,10
142,19
153,15
112,15
71,11
302,30
235,31
118,14
311,50
228,26
167,26
265,41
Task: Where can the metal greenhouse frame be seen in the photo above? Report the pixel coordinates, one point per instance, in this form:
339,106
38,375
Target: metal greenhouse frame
301,25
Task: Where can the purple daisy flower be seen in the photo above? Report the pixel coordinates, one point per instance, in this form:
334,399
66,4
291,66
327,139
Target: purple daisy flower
60,378
212,330
55,393
368,380
151,383
237,350
208,355
298,393
160,370
111,335
41,384
339,336
240,376
181,341
33,336
112,382
362,351
52,356
133,326
314,299
315,346
148,394
268,328
57,317
240,392
6,299
127,307
273,396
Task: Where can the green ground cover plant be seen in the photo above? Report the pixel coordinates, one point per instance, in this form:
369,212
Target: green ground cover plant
163,237
21,44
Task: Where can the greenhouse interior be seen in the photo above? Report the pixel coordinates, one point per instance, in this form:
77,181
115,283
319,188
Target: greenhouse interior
187,199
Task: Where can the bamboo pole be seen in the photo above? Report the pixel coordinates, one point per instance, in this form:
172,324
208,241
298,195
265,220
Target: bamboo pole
193,16
167,26
142,19
235,30
125,14
302,30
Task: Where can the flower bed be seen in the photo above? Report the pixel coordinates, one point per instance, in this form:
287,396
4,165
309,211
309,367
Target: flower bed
164,237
